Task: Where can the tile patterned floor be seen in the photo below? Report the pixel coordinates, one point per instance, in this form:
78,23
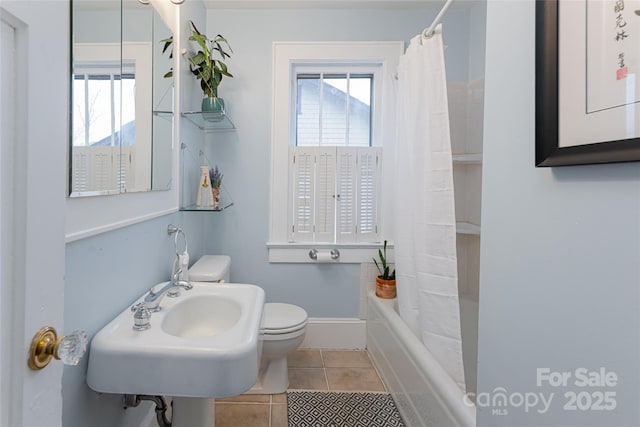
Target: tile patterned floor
323,370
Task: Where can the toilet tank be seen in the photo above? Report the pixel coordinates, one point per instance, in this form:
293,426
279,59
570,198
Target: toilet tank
211,268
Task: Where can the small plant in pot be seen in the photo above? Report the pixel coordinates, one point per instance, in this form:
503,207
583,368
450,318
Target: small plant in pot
386,280
208,66
216,181
209,69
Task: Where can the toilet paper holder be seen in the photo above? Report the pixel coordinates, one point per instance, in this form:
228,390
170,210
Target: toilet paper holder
335,254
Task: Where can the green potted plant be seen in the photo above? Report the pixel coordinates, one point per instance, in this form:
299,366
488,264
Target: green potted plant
208,66
386,280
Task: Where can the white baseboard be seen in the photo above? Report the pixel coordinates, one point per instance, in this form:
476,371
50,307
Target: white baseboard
335,333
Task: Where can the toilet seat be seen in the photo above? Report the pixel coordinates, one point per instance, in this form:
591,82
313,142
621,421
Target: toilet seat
284,336
284,330
280,318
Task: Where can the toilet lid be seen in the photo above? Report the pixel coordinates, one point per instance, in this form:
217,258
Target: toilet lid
280,318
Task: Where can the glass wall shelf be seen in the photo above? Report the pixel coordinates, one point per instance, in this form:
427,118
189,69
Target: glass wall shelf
164,114
463,227
210,121
468,159
194,208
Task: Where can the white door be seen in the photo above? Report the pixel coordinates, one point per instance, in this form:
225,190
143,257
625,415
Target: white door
33,129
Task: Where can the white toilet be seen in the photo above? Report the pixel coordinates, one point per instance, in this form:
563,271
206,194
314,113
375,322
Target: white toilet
283,327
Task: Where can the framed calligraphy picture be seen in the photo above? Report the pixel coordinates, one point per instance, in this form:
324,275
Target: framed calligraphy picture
587,82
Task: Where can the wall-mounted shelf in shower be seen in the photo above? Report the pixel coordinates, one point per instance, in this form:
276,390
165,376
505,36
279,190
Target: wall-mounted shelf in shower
467,159
463,227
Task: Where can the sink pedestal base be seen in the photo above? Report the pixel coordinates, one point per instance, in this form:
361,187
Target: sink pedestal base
193,411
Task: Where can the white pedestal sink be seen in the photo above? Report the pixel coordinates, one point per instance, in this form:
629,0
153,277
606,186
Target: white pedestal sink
201,345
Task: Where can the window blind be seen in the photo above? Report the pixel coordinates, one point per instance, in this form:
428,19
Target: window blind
335,194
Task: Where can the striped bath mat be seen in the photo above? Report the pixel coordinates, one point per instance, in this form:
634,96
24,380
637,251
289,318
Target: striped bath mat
333,409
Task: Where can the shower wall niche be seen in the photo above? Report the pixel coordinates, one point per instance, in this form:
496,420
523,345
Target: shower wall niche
466,113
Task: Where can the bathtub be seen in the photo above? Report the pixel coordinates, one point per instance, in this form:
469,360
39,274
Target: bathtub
423,392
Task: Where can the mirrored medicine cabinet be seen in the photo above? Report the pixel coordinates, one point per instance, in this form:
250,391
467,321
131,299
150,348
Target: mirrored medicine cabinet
121,128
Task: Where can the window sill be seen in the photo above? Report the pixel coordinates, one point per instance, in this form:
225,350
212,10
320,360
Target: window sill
349,253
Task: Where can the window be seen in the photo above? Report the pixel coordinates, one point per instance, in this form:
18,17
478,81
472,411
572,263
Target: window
334,170
333,109
330,131
103,98
97,104
111,134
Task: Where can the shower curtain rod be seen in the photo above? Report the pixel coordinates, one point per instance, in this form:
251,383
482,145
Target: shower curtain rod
428,32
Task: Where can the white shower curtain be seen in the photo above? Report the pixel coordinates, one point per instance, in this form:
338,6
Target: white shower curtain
425,226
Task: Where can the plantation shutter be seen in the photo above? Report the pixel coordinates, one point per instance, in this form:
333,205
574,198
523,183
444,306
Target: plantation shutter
335,194
80,169
325,218
347,193
368,184
303,178
124,177
101,176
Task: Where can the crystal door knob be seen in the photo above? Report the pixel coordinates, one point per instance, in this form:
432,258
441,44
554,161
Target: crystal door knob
47,345
72,347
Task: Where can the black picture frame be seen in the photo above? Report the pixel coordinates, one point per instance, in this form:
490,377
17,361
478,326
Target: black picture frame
547,152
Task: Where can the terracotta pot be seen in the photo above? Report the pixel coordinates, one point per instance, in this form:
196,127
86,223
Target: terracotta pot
385,288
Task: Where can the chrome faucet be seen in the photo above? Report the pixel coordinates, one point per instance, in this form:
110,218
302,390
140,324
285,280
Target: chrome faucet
153,298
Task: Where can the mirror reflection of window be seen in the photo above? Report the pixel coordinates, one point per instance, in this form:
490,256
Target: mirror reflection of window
97,111
119,143
104,98
112,131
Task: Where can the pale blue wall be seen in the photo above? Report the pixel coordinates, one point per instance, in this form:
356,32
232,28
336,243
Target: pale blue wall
244,156
104,274
560,266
